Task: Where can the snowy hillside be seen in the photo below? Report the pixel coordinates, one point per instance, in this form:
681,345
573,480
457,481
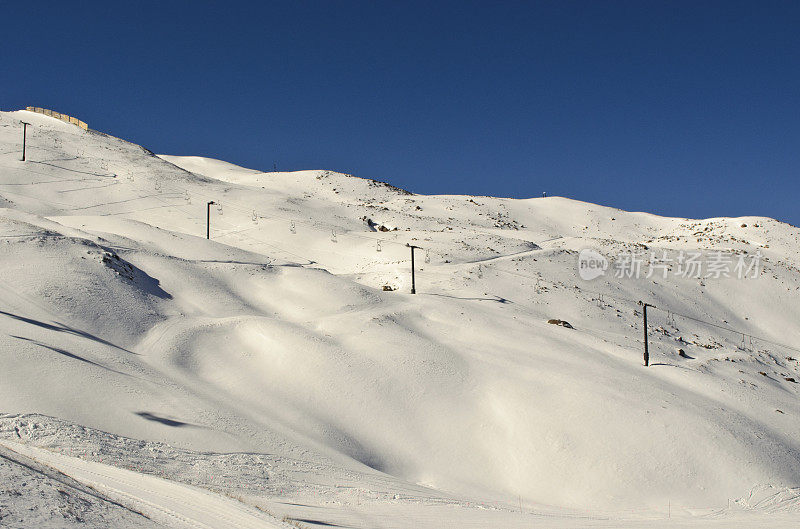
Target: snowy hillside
282,374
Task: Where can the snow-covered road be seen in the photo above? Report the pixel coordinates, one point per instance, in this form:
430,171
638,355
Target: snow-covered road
164,501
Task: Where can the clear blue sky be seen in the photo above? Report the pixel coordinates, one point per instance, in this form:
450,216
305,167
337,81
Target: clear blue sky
684,108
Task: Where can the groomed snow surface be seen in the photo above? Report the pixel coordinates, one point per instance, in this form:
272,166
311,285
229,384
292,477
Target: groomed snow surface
281,374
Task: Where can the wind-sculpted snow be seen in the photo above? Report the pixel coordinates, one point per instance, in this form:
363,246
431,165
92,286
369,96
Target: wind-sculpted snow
284,363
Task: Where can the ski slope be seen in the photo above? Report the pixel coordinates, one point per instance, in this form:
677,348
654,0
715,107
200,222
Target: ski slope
161,500
283,364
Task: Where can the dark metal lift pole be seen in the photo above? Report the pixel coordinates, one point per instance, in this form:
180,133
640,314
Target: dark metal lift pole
24,136
208,219
413,284
646,350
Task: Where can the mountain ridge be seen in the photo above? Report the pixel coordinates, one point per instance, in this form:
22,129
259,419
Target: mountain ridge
292,332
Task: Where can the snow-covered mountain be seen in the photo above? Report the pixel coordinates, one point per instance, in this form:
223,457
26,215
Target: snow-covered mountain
282,372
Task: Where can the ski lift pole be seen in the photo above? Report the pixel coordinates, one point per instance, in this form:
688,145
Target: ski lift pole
646,350
413,284
24,137
208,219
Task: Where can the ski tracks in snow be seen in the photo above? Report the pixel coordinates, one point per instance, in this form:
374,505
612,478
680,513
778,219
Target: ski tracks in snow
166,502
